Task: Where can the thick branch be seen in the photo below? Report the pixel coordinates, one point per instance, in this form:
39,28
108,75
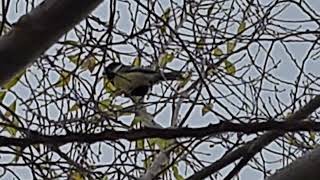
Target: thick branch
169,133
37,31
251,148
305,167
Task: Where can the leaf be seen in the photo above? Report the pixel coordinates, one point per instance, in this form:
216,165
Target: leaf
136,62
106,103
75,107
2,94
75,175
147,162
176,173
89,63
185,80
231,45
165,59
229,67
74,58
206,108
11,130
18,154
241,27
12,108
13,81
165,17
64,79
162,143
72,43
312,135
201,43
217,52
140,144
109,87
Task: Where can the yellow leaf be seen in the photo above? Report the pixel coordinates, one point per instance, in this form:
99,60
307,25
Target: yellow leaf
165,59
206,108
217,52
13,81
242,26
89,63
110,88
75,175
75,107
136,62
229,67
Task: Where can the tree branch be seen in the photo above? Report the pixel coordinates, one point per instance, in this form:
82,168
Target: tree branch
165,133
37,31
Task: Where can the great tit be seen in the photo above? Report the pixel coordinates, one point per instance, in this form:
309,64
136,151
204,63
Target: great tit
136,81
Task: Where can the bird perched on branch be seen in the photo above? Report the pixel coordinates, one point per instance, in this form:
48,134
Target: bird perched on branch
136,81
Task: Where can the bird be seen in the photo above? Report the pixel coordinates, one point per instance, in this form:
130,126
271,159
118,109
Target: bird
136,81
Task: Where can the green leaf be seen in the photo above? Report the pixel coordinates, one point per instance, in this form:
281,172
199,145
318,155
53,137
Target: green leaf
229,67
231,45
105,104
75,59
206,108
312,135
140,144
201,43
162,143
13,81
18,152
11,130
136,62
165,17
72,43
165,59
12,107
217,52
241,27
2,94
176,173
64,79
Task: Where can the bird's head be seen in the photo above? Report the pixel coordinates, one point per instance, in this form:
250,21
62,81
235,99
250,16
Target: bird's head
111,70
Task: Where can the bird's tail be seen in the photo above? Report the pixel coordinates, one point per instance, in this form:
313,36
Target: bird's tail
171,76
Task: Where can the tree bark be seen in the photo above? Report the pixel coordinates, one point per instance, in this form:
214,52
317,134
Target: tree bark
306,167
36,31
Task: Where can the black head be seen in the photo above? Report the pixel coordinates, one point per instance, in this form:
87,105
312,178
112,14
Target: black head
111,70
